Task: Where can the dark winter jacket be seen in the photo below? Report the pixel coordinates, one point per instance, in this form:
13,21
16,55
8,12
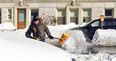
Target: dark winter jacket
37,31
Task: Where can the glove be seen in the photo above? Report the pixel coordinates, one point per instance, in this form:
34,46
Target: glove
51,37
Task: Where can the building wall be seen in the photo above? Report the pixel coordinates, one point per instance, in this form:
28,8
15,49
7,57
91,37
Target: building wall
51,9
4,11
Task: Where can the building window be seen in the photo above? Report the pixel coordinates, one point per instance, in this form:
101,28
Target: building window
74,15
108,12
34,12
9,14
86,15
61,16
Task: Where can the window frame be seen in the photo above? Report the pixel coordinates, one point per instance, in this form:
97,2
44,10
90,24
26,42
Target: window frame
111,13
9,13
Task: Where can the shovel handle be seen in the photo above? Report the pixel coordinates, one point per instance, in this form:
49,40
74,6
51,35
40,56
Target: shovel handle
56,38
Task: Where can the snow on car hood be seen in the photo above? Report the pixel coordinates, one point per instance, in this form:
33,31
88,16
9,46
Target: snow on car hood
14,47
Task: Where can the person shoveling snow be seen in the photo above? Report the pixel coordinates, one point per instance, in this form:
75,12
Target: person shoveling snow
38,28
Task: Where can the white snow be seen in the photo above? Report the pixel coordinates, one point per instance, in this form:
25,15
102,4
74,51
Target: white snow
7,26
58,30
105,37
75,39
14,46
76,42
83,24
95,57
113,59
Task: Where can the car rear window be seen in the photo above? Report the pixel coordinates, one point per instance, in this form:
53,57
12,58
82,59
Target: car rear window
109,22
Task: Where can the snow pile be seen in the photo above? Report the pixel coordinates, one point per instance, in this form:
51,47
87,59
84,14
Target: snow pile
7,26
58,30
76,42
95,57
14,47
113,59
53,42
105,37
83,24
22,32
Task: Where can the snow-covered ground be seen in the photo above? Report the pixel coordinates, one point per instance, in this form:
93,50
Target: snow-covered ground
95,57
14,46
7,26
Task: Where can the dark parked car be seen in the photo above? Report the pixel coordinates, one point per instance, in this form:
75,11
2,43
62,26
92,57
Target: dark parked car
90,28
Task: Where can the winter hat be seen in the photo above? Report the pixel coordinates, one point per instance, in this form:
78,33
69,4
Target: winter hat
36,19
39,19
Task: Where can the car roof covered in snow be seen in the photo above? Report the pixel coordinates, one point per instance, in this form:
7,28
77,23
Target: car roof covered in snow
15,47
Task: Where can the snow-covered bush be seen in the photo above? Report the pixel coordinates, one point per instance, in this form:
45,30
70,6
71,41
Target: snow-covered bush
105,37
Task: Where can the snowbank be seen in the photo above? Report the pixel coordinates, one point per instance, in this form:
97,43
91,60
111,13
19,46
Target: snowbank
83,24
76,42
113,59
7,26
95,57
53,42
58,30
105,37
14,47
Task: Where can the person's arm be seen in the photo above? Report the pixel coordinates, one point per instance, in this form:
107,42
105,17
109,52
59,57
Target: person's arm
29,31
48,32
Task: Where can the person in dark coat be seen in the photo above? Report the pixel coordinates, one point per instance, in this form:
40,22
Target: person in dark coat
38,29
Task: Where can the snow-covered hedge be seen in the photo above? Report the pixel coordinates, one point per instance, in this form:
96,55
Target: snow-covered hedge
105,37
